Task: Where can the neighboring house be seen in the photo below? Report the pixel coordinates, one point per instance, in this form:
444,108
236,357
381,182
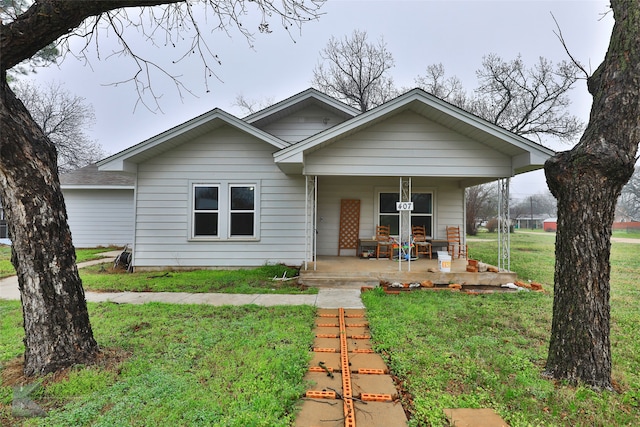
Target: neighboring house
100,206
533,223
550,224
219,191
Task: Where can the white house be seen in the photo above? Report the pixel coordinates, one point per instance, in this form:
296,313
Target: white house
219,191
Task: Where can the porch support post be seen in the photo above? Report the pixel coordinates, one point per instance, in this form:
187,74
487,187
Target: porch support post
504,226
310,209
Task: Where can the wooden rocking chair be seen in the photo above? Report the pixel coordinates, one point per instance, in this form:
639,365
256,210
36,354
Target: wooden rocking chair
420,243
454,246
384,242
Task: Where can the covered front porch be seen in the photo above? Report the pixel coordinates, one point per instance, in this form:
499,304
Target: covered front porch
351,271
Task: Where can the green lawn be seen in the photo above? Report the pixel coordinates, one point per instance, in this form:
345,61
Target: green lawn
455,350
103,278
6,268
243,366
182,366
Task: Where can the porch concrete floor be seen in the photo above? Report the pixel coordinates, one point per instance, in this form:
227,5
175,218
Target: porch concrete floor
352,271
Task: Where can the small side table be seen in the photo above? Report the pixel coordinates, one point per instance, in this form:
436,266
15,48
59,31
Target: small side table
366,244
438,243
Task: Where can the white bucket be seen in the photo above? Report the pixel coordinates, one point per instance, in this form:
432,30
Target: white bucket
444,263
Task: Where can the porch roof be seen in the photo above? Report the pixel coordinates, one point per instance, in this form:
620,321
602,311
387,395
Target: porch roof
526,155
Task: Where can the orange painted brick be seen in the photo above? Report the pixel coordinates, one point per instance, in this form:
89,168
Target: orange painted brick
363,350
314,394
327,336
325,350
320,369
371,371
374,397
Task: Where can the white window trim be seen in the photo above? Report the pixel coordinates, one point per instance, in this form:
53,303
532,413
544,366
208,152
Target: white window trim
192,210
224,211
254,211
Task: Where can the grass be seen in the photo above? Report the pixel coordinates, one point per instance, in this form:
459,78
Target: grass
103,278
532,255
178,365
6,268
455,350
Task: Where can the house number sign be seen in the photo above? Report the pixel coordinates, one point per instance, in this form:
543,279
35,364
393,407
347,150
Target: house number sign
404,206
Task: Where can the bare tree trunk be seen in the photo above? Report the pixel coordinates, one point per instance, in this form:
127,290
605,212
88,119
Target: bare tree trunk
587,182
56,321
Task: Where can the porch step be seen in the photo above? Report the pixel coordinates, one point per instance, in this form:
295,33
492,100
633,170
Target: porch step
333,281
348,280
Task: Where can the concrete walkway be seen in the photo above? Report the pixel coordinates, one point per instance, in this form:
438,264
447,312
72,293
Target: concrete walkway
326,297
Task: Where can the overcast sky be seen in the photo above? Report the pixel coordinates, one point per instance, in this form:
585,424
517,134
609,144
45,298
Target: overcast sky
418,33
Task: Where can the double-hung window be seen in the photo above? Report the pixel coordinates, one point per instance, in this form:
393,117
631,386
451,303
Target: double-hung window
242,210
206,213
422,213
224,211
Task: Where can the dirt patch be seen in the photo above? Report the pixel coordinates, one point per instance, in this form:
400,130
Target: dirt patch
12,375
13,371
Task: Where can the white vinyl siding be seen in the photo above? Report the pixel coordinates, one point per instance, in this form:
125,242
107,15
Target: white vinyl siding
409,145
100,217
228,157
303,124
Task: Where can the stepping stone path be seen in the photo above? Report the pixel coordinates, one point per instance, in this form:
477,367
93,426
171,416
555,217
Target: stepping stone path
350,385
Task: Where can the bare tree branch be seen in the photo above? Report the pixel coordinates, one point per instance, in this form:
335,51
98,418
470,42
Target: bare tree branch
355,71
566,48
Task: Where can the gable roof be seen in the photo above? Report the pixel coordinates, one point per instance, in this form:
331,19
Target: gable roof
527,155
126,160
298,102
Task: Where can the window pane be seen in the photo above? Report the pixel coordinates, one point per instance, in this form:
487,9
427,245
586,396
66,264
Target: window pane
205,224
393,221
424,221
242,224
388,202
421,203
242,198
206,198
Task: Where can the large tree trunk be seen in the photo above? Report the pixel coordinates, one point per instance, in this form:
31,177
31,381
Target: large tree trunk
587,182
57,329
